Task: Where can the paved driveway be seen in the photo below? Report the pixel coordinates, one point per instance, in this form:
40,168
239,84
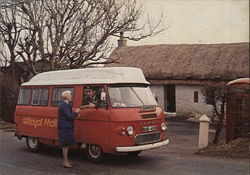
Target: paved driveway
174,159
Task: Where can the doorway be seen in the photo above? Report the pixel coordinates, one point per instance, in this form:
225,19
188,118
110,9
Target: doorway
169,98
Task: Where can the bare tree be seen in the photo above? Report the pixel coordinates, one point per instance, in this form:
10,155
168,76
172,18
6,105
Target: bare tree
74,33
3,60
10,33
216,96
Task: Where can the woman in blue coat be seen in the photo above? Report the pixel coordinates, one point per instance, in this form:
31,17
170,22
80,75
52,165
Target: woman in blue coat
66,125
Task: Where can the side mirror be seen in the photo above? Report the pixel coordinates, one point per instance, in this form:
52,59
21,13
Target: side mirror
103,100
103,96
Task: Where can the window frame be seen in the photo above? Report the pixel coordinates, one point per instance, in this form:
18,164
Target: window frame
61,87
196,97
33,89
208,101
208,97
98,86
29,88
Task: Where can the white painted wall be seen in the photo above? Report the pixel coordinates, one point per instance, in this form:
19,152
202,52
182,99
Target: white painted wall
158,90
185,101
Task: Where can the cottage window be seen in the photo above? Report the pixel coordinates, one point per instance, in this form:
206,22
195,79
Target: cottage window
40,96
24,96
196,95
209,97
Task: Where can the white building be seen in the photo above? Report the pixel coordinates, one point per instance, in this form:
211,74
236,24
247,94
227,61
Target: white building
178,73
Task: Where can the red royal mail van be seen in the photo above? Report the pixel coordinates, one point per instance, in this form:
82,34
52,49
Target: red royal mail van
127,120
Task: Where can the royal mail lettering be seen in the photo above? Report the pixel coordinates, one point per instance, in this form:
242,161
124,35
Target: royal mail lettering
42,122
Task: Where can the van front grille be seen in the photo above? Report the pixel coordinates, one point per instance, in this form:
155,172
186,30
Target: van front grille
147,138
147,116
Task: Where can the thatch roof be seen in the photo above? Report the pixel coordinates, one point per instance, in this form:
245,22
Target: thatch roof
186,61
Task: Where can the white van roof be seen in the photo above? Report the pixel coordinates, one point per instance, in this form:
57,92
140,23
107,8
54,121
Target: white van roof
110,75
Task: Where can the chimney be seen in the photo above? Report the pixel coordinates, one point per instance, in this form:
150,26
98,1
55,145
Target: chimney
122,41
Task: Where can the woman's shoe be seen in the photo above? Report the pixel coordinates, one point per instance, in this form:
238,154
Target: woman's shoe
67,166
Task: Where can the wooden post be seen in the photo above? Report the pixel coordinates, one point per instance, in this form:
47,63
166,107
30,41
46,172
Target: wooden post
203,131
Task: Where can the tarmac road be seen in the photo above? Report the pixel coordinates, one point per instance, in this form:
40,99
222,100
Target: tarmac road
174,159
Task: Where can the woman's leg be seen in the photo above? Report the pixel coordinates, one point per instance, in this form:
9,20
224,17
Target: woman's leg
65,155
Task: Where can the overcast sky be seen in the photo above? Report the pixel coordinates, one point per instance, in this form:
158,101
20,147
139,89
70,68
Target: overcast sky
199,21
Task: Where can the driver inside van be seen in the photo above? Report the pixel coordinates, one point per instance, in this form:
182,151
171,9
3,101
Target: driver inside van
92,99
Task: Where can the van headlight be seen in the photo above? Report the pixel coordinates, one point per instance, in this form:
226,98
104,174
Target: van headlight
163,126
130,130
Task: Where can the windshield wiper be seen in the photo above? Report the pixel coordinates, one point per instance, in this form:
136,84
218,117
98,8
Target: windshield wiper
137,95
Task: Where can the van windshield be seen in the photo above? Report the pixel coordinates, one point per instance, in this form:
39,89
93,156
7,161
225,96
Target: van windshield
131,96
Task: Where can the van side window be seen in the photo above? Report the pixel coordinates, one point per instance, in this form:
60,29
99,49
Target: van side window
40,96
56,95
24,96
92,94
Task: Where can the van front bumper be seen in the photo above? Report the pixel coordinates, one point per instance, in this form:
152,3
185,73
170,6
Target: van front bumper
142,147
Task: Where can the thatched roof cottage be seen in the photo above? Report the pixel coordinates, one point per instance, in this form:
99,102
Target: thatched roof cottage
178,72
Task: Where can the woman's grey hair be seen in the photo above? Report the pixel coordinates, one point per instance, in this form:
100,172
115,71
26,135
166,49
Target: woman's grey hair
65,94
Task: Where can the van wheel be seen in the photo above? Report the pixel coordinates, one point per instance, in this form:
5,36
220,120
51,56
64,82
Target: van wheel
135,153
33,144
94,153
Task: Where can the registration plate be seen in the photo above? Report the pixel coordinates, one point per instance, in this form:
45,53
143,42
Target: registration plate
149,128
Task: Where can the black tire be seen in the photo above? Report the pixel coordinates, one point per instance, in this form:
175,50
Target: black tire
134,154
94,153
33,144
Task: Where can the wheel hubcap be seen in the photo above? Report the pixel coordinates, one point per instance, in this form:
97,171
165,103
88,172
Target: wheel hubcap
94,151
32,142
